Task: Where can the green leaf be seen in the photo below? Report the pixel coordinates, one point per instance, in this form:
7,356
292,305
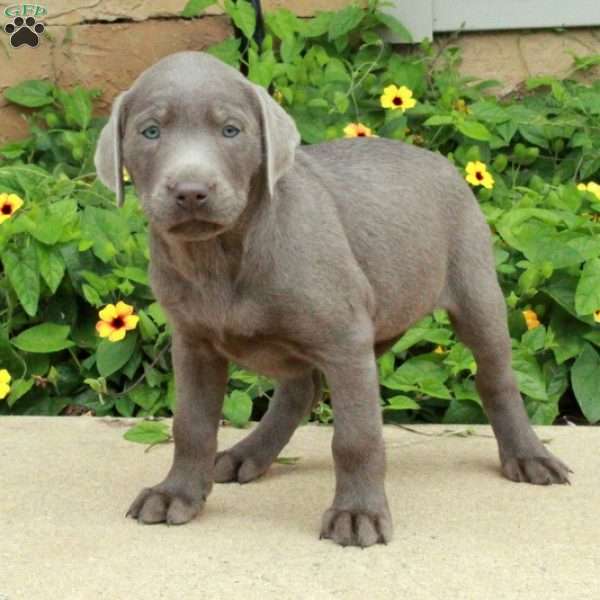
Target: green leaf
561,289
105,229
507,131
336,71
464,411
148,432
474,130
111,356
148,329
568,335
134,273
344,21
466,390
316,26
124,406
144,396
395,26
193,8
460,358
585,377
51,265
32,94
283,23
237,408
529,375
9,358
420,374
22,271
402,71
401,402
386,364
156,312
587,294
534,339
243,16
227,51
542,413
422,331
91,295
260,70
341,101
437,120
18,388
534,135
77,106
318,103
44,338
489,111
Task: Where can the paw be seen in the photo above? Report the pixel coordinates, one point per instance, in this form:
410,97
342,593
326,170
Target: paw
539,470
357,527
234,466
157,505
24,32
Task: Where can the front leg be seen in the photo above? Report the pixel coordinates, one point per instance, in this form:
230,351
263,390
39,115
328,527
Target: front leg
359,515
201,379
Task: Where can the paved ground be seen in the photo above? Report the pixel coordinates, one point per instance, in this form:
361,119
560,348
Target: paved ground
461,530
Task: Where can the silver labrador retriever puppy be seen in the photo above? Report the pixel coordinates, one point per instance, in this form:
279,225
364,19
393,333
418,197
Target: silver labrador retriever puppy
294,261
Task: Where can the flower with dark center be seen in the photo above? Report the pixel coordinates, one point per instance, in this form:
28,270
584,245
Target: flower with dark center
357,130
116,321
397,98
9,205
477,174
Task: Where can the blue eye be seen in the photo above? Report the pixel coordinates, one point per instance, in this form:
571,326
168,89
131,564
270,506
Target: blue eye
230,131
152,132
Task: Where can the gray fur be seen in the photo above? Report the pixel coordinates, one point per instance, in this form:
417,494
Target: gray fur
294,261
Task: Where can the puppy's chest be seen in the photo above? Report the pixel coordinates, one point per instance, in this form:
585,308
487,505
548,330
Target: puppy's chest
243,327
213,309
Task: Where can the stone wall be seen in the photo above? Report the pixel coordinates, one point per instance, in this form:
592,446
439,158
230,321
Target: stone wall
107,43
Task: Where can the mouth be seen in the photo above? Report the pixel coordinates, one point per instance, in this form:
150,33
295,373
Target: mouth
196,229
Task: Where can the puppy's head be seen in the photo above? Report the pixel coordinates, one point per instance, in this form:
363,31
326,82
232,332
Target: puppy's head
194,134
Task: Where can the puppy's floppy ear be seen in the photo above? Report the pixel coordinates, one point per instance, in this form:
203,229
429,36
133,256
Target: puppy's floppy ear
279,135
109,153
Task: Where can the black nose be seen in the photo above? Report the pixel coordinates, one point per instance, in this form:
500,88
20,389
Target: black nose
189,193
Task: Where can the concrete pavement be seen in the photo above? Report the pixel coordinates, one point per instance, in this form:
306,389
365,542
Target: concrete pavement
461,530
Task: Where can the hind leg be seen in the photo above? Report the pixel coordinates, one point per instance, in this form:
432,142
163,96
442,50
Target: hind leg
479,319
251,457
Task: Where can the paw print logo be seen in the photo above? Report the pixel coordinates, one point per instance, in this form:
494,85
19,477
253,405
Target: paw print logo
24,32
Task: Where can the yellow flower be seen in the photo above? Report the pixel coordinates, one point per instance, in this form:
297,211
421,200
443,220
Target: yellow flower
9,204
461,106
278,96
126,175
531,319
597,315
439,350
4,381
477,174
116,321
397,98
592,187
357,130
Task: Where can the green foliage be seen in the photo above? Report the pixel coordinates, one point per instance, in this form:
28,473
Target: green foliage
148,432
66,253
